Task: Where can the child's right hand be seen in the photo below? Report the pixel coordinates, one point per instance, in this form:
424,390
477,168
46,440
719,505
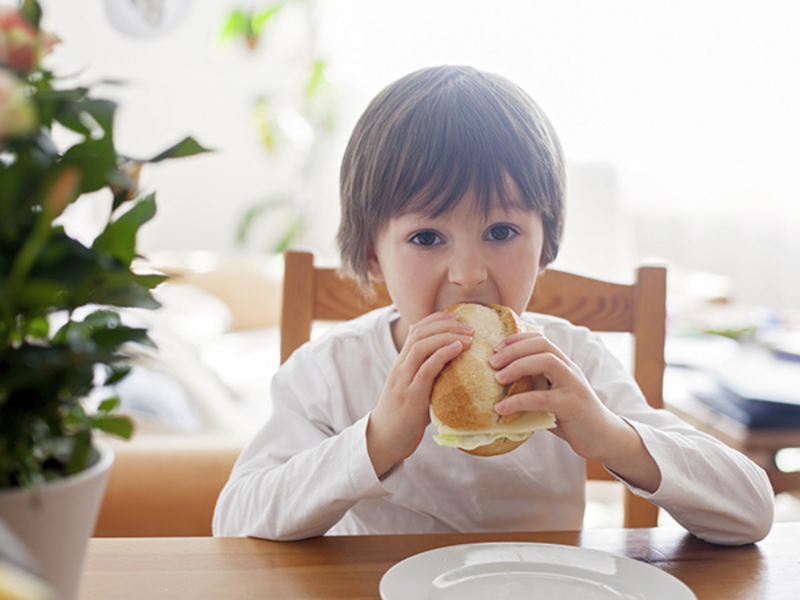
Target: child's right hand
398,422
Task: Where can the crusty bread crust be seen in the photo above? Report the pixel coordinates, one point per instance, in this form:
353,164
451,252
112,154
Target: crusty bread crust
465,392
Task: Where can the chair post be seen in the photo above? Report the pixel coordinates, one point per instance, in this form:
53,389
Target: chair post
649,330
639,513
298,301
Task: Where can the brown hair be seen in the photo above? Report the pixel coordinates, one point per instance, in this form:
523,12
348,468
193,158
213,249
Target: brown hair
431,136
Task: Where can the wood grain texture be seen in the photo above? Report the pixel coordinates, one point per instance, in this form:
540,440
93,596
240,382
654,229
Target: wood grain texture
352,566
297,309
598,305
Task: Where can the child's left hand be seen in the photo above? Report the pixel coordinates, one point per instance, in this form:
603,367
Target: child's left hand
583,421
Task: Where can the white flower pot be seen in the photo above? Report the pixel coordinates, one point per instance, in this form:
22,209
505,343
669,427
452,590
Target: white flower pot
55,522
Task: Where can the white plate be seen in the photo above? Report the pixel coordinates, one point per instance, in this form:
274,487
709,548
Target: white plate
510,570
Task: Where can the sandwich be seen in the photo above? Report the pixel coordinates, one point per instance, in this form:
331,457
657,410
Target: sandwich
465,392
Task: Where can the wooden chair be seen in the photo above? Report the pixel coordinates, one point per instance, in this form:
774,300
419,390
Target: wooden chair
311,293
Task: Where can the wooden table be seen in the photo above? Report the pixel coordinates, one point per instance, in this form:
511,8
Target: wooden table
351,567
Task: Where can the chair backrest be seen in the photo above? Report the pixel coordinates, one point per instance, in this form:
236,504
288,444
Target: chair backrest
312,293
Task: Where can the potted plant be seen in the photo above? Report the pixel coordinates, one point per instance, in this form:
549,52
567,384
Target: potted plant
61,334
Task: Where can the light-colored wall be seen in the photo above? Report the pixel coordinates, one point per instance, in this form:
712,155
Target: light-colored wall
682,116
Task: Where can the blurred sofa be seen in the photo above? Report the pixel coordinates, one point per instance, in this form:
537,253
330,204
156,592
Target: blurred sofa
165,485
198,397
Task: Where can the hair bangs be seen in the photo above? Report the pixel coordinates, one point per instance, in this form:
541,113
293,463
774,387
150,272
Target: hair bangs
464,151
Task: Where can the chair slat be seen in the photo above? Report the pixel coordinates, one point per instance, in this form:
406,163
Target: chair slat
339,299
598,305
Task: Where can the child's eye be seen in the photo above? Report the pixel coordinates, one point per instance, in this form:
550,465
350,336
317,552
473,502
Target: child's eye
426,238
501,233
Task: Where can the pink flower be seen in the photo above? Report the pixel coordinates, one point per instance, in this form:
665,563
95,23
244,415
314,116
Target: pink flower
22,46
17,113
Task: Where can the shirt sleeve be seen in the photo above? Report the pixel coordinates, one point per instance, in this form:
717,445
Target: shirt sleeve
714,491
299,475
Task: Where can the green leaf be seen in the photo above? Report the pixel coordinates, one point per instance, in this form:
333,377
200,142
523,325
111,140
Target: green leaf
117,425
108,340
96,158
237,24
262,111
38,293
260,20
80,453
109,405
186,147
85,116
103,318
116,373
295,228
148,282
124,294
32,12
317,81
76,418
80,335
119,237
255,211
38,328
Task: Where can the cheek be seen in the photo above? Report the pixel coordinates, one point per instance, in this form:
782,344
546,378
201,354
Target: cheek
517,279
417,283
414,292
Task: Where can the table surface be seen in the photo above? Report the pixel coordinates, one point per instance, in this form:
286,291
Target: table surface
352,566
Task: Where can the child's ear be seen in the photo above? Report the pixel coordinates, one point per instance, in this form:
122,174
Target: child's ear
374,265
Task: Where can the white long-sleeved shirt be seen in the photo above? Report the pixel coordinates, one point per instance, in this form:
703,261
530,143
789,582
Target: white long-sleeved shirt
307,472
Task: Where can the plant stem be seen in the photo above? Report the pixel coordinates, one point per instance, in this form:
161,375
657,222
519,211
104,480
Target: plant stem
29,252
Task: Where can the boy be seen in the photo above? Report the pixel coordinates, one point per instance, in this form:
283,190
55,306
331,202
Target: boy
452,190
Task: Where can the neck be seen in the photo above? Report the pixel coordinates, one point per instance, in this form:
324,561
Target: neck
399,329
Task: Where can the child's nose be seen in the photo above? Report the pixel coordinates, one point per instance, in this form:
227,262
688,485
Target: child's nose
468,270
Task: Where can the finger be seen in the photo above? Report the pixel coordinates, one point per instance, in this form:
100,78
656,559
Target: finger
422,385
516,337
530,344
526,401
435,324
434,364
415,354
545,363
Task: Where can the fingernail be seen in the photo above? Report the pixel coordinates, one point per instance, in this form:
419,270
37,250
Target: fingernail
468,328
501,376
494,360
500,346
500,407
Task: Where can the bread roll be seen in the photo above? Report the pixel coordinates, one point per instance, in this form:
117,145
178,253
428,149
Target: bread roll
465,392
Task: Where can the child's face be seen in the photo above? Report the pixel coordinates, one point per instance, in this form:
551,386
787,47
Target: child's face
429,264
